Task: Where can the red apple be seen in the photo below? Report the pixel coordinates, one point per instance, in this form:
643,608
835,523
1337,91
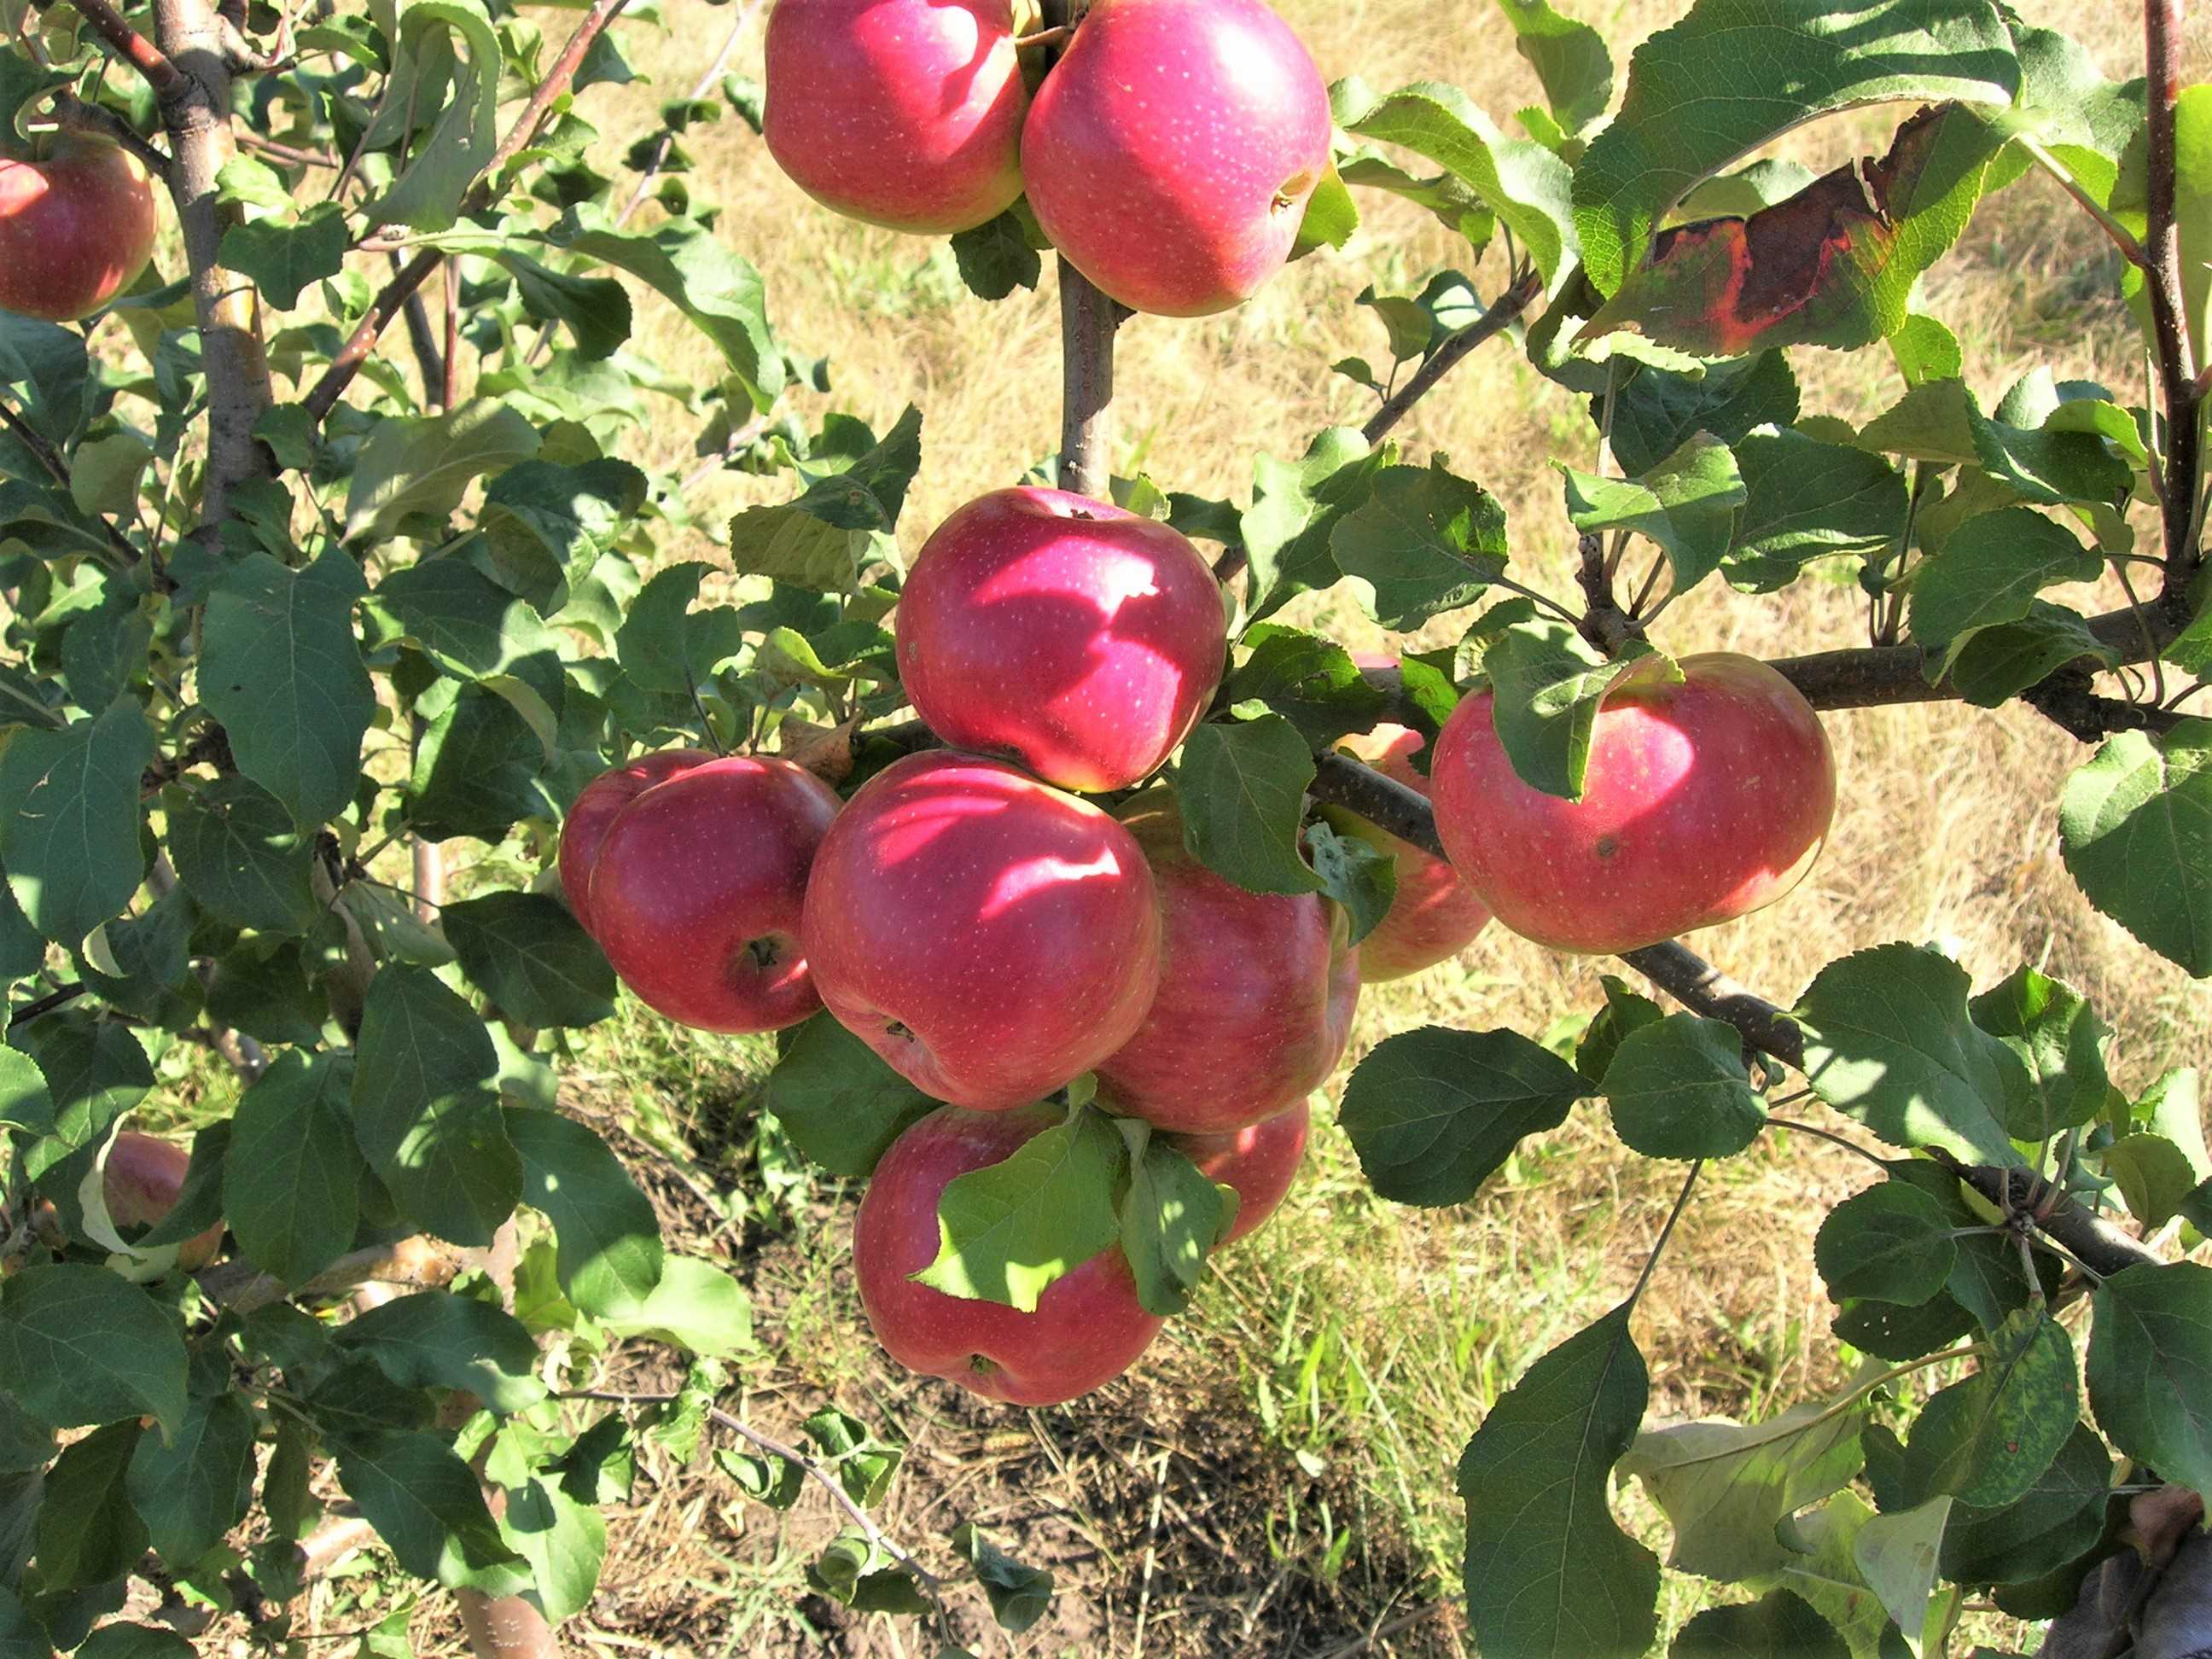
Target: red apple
1704,798
1434,914
1170,154
1260,1161
141,1182
906,113
1078,639
988,935
76,229
697,888
1255,1000
1088,1328
596,808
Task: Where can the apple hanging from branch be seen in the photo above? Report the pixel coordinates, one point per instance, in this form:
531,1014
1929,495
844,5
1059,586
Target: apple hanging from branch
77,227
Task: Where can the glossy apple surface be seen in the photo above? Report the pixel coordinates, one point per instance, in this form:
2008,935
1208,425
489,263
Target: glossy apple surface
1434,914
989,936
1255,1001
1171,153
905,113
1088,1328
141,1182
1081,640
1704,800
76,229
599,806
1260,1161
697,890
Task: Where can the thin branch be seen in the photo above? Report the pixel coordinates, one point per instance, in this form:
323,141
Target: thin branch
72,113
700,88
44,1005
2162,286
134,48
393,299
289,154
1088,323
1454,351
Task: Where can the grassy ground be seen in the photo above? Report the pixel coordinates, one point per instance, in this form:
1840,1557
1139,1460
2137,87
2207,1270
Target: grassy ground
1277,1478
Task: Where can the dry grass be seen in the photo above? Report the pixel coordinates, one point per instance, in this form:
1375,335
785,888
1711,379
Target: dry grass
1325,1383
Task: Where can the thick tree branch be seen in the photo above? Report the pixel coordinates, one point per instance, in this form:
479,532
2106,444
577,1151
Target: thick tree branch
1502,314
2162,287
393,299
1088,323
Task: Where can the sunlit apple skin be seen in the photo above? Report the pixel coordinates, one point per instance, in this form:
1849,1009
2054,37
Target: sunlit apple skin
989,936
1260,1161
1434,914
1079,639
1255,1001
141,1182
698,888
1171,153
1703,801
904,113
596,808
76,229
1088,1328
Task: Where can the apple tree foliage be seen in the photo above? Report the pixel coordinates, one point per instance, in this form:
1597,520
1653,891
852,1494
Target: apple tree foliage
284,596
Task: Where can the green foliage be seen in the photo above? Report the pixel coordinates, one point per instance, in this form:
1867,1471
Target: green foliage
1433,1113
1010,1230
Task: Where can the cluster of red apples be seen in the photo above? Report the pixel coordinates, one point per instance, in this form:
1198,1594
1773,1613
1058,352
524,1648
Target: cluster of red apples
1169,154
77,227
994,935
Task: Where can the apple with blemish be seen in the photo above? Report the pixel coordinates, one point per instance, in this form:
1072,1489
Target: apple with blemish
1171,153
988,935
1089,1326
1259,1161
1081,640
904,113
596,809
1705,798
1256,995
77,227
697,890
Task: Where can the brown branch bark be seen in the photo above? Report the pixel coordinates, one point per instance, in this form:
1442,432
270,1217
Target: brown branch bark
390,302
1088,323
2162,287
1508,307
134,48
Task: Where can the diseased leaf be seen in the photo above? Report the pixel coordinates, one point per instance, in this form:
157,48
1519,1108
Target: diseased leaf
1986,1440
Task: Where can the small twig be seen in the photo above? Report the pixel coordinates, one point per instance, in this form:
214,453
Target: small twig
75,115
1440,362
167,79
1604,623
1834,1140
44,1005
286,152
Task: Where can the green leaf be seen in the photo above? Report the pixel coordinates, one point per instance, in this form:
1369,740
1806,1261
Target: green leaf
2060,1516
194,1487
1331,218
26,1102
1806,500
2136,825
668,643
1433,1113
1898,1555
1889,1042
2154,1176
281,259
464,90
70,831
88,1532
2192,206
1019,1595
1985,1441
476,773
1425,543
103,476
1624,1012
1823,1568
95,1071
462,620
1548,684
241,858
1523,183
610,1258
1685,506
1569,57
426,1506
292,1181
996,257
1990,571
1734,74
527,952
1005,1233
1656,411
20,1637
1889,1243
775,1481
1310,681
1679,1089
1780,1624
2150,1368
1994,665
1362,877
1241,788
282,671
596,309
821,539
864,1465
436,1339
425,1113
838,1099
80,1347
1171,1216
1294,509
417,470
1725,1486
695,1308
546,526
565,1543
1548,1571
